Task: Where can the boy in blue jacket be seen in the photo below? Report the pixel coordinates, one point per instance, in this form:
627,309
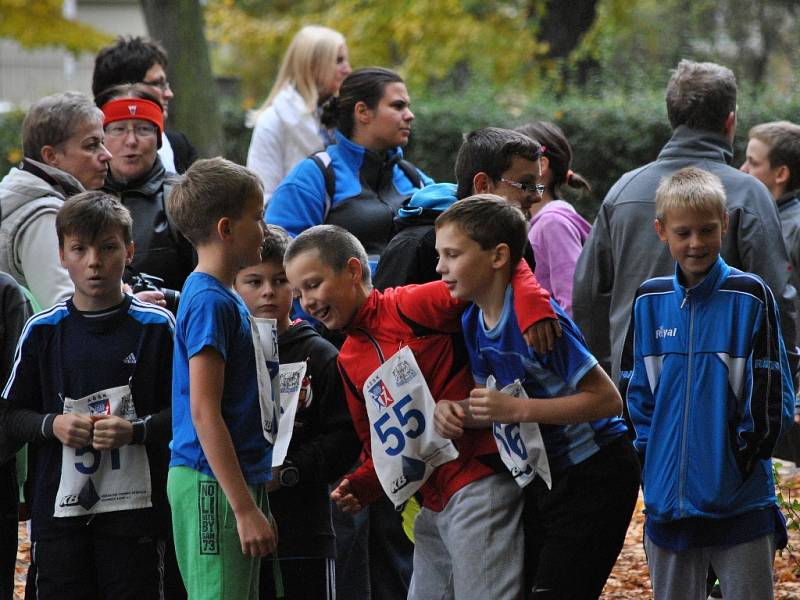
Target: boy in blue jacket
707,381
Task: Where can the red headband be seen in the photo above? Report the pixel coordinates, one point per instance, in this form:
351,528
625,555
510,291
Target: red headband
123,109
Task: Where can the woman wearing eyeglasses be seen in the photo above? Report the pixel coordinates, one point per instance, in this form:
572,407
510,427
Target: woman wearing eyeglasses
557,232
133,124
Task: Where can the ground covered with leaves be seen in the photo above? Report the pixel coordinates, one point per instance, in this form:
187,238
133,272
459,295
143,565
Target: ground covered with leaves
629,579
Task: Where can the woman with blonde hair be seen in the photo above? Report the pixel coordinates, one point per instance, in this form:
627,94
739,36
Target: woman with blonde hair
288,127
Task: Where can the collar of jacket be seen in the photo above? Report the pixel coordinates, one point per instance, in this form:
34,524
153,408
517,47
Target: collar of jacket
710,284
148,184
696,143
53,176
358,157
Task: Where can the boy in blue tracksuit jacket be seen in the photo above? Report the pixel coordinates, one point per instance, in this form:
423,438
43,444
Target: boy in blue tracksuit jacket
708,390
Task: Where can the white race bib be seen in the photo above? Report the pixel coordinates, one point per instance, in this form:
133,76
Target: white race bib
94,481
291,383
265,342
405,447
520,444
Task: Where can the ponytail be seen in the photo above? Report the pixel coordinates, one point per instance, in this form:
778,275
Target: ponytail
558,151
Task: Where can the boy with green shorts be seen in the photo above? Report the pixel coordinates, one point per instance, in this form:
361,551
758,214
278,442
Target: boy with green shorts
221,458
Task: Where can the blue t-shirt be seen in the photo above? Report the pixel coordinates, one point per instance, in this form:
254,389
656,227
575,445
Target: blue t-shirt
211,315
502,351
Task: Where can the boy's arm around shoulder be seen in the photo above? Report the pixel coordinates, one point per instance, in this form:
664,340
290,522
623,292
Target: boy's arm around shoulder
536,317
206,382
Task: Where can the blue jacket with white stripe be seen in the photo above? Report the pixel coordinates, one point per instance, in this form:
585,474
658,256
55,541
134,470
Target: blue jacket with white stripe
708,390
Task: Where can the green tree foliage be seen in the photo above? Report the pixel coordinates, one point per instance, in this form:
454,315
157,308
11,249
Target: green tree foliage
39,23
634,43
491,42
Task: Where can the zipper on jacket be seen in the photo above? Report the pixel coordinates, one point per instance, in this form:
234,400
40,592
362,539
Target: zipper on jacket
687,400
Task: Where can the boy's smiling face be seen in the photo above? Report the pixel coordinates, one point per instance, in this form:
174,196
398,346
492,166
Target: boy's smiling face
328,295
95,267
465,267
266,291
694,239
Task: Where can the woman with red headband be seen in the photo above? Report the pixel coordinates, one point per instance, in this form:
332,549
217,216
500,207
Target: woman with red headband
134,125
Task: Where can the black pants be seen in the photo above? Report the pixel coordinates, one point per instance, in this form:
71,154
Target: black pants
303,579
574,532
88,565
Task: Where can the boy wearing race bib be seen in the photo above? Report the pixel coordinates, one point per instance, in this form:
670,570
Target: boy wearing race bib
221,457
575,523
323,442
402,355
90,392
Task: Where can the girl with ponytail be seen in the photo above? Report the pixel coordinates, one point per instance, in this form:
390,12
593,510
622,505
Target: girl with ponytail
557,232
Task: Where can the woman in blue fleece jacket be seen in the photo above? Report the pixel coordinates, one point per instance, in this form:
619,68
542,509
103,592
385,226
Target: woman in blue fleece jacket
360,182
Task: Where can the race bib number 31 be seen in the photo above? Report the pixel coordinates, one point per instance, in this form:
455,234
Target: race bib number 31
405,447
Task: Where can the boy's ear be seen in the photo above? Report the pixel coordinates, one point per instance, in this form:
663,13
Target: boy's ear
223,229
661,230
725,220
482,183
502,256
355,269
782,175
129,250
61,254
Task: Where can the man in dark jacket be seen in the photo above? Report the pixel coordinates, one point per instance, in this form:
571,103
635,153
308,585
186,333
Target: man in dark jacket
142,60
623,249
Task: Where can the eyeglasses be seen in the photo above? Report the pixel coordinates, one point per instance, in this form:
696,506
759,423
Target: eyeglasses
140,130
525,187
162,84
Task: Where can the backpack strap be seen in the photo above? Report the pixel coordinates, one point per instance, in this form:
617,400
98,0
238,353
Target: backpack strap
411,172
323,161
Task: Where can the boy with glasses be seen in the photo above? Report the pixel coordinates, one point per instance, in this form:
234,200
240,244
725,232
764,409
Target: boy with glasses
490,160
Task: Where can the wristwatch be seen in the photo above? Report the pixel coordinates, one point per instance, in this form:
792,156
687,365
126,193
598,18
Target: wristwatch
289,475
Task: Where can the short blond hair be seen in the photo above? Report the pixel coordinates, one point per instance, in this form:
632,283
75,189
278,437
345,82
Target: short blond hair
212,188
691,188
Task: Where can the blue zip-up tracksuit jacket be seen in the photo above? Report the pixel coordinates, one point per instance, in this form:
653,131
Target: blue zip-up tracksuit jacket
708,389
369,190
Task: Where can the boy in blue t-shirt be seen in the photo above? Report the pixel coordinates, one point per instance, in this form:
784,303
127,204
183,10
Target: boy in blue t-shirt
220,456
575,530
708,391
323,443
90,393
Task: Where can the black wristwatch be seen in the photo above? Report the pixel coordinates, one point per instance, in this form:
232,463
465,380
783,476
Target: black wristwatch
289,475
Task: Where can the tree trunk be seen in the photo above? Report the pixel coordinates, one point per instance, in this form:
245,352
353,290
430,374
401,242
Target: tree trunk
180,26
565,23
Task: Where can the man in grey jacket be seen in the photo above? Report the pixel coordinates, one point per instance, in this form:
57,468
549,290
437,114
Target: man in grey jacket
623,249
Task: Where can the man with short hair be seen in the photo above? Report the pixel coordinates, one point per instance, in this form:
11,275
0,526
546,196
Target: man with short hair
623,249
135,59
